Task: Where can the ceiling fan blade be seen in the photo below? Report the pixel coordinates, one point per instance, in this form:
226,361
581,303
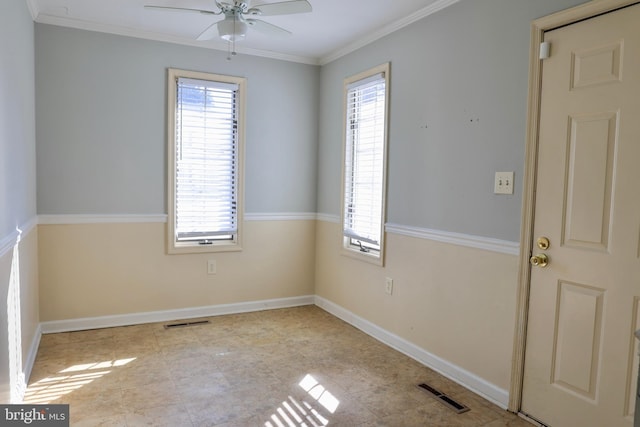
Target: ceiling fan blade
181,9
209,33
280,8
266,28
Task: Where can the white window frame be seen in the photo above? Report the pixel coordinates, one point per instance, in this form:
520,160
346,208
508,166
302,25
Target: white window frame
234,241
351,246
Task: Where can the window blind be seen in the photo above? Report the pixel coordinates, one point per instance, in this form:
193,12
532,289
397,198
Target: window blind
206,160
364,159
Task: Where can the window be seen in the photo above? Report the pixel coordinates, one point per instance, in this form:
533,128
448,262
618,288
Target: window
365,148
206,133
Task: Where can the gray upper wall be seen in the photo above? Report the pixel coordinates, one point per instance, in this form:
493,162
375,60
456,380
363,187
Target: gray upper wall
458,114
17,118
101,124
459,82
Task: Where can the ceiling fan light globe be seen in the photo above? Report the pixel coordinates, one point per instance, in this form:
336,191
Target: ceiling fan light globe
232,31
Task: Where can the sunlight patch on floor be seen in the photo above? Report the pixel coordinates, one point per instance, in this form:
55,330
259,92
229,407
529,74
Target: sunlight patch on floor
292,413
52,388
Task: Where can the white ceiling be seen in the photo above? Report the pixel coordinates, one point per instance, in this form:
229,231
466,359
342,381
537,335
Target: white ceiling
332,29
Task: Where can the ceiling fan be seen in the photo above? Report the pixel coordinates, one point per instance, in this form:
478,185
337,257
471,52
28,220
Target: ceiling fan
239,17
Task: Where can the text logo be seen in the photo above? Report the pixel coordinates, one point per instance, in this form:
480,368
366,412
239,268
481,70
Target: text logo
34,415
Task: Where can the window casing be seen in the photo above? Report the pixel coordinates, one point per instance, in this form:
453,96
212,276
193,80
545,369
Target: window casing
205,150
365,163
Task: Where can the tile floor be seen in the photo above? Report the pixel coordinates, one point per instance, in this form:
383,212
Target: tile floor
290,367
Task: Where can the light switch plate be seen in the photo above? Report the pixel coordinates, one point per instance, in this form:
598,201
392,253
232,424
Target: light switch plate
211,266
388,285
503,183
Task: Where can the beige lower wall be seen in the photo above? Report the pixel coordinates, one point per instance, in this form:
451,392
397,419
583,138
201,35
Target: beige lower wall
90,270
455,302
18,267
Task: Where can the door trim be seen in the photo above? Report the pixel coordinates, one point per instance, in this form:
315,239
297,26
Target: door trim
538,28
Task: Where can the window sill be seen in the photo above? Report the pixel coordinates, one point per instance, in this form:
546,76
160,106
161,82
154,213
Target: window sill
174,249
375,258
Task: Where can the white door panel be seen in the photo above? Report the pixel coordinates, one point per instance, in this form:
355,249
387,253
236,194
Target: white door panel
583,306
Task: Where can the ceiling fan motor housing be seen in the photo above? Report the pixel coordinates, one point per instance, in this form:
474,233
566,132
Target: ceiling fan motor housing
232,28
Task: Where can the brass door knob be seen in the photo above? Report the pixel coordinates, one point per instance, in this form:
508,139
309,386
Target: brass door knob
543,243
540,260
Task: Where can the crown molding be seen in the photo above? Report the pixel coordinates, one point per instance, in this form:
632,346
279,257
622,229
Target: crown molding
148,35
387,29
221,46
33,8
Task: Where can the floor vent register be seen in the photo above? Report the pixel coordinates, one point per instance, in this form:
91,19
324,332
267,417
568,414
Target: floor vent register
457,407
186,323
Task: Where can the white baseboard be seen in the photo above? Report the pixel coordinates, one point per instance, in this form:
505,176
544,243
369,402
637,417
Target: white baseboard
465,378
169,315
33,352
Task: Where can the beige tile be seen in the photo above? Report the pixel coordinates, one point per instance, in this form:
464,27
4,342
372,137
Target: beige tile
353,379
99,405
156,394
193,367
49,340
245,370
135,331
216,330
54,354
433,414
510,420
253,378
161,416
136,349
178,354
174,337
92,352
150,360
239,360
46,367
348,412
144,377
108,421
386,400
202,388
243,422
223,409
91,335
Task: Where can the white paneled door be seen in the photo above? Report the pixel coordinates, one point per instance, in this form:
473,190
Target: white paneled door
580,362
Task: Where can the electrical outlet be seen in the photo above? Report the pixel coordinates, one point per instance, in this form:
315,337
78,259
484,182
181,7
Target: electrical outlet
388,285
211,266
503,183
